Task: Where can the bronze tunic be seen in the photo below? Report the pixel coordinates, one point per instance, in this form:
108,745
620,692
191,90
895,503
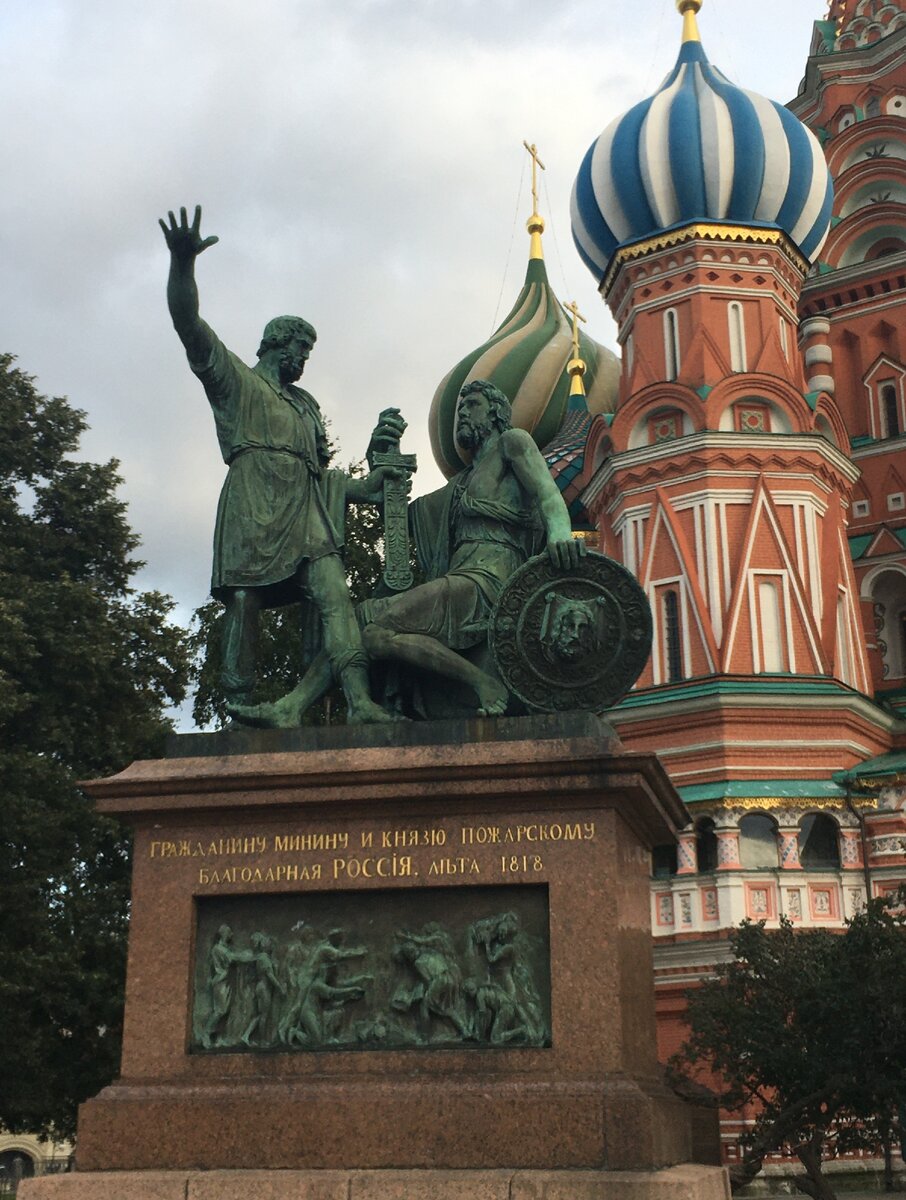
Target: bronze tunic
271,516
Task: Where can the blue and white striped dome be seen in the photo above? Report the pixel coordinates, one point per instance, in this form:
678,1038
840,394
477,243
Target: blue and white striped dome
700,149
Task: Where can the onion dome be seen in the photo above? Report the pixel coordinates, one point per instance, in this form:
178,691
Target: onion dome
699,150
526,357
565,454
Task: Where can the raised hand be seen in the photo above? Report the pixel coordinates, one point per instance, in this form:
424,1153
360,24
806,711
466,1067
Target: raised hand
390,427
184,241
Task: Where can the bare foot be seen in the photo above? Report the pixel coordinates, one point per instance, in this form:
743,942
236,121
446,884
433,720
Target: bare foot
493,697
366,712
281,714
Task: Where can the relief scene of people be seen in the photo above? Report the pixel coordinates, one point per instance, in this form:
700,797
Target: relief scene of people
472,984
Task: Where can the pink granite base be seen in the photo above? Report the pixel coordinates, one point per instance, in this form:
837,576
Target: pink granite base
687,1182
559,807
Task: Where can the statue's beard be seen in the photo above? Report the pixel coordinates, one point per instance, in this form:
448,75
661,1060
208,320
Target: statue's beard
290,366
470,436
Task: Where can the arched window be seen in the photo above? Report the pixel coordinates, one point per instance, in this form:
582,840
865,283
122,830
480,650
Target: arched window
888,245
887,591
673,650
784,339
737,337
706,845
873,107
890,410
818,843
664,861
15,1165
757,841
671,344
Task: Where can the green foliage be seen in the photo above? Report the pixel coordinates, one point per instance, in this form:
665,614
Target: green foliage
807,1030
86,667
283,650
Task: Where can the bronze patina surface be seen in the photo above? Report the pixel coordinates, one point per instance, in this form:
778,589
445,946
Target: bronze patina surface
576,640
429,968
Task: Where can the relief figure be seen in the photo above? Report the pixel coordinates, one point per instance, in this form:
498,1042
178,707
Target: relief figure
315,994
221,962
431,957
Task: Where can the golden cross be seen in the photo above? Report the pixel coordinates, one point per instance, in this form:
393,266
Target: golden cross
536,163
577,317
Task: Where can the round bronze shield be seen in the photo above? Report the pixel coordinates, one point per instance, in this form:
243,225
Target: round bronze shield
574,639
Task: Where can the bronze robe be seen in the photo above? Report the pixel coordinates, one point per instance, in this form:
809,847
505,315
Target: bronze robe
273,510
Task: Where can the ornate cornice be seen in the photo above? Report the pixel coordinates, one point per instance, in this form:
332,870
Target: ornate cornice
702,231
770,803
710,450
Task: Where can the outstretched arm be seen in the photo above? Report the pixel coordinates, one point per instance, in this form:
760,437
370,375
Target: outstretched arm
185,243
531,470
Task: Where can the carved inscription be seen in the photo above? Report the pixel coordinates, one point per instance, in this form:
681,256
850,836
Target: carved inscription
429,968
335,856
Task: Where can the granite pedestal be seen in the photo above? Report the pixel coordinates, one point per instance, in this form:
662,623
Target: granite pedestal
548,809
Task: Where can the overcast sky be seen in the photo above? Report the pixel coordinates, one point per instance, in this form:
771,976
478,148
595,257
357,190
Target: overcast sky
362,164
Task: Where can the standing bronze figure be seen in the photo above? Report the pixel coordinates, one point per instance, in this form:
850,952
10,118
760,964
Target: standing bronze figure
278,533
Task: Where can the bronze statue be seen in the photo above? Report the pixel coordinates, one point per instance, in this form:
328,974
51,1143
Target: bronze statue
278,534
471,536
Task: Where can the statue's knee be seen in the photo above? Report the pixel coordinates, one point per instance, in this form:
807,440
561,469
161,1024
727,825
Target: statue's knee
376,640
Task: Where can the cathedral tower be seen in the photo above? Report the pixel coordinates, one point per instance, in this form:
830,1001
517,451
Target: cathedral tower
727,486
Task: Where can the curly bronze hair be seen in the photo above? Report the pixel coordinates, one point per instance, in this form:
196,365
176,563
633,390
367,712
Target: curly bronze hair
281,330
500,411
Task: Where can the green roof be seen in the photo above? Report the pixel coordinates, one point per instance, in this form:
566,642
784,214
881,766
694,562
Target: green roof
858,544
873,769
738,789
773,685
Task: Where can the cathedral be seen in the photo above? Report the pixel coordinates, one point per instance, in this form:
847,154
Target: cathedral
745,458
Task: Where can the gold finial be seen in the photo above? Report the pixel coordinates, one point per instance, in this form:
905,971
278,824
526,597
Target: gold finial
575,368
690,26
535,223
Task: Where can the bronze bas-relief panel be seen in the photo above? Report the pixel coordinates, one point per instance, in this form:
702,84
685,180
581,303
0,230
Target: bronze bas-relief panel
428,968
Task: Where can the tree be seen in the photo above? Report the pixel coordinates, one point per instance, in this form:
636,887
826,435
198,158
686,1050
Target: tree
806,1029
87,667
283,653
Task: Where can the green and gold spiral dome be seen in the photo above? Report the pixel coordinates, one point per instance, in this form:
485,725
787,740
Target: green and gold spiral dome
526,357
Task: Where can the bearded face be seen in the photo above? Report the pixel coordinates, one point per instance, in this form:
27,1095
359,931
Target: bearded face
293,357
574,633
473,423
570,634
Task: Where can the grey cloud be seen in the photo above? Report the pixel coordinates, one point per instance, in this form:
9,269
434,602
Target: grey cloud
361,162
